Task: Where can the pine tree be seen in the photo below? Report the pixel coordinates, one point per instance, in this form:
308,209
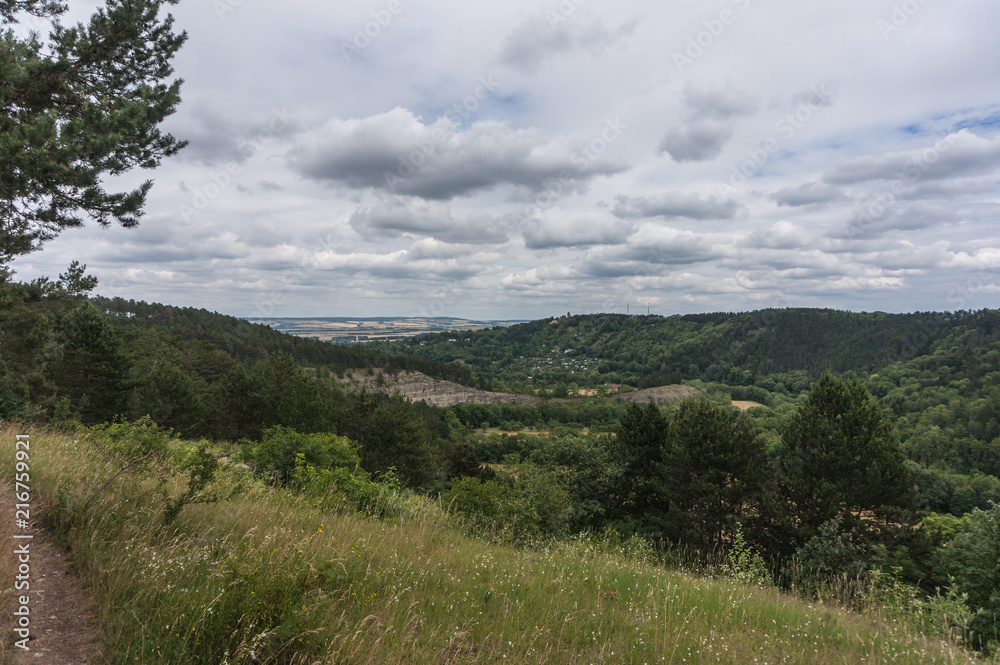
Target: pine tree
93,372
83,105
715,469
639,438
393,436
842,457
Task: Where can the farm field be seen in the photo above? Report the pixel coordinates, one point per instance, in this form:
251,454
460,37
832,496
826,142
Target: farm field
343,330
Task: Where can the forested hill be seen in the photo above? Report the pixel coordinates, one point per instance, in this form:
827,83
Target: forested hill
251,342
733,348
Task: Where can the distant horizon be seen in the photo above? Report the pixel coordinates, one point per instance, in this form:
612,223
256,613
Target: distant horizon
554,315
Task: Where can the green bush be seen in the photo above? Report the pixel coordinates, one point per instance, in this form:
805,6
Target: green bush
828,556
529,505
276,455
972,560
134,443
384,498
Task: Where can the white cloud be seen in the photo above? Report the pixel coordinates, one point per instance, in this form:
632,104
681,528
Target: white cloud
539,165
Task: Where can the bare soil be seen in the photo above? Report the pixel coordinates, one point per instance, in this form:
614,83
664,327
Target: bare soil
420,387
660,395
63,627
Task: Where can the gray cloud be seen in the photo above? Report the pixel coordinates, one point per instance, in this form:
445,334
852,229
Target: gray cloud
708,122
656,245
696,141
394,218
216,139
914,217
575,230
397,153
960,154
810,193
419,262
780,235
676,204
717,103
542,37
950,190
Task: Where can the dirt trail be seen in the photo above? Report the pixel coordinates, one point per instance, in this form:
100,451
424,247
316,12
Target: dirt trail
62,624
62,627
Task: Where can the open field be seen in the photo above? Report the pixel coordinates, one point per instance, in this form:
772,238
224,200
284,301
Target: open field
346,330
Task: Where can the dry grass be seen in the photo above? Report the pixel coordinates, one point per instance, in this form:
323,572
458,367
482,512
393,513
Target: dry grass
269,577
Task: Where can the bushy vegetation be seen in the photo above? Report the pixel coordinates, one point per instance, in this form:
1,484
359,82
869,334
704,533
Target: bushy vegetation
853,487
271,576
792,346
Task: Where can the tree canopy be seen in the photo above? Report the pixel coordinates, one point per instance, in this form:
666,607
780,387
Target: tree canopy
82,105
842,456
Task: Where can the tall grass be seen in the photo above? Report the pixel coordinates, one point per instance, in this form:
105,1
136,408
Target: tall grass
269,577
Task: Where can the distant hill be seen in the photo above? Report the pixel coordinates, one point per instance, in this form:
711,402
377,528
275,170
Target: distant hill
247,341
734,348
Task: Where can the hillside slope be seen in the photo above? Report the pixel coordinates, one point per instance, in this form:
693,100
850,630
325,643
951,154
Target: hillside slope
732,348
275,577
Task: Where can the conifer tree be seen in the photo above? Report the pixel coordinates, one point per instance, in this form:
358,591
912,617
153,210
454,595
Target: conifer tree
639,438
81,106
842,457
715,470
92,372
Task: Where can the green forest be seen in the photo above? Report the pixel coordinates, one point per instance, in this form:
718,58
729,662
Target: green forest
825,487
873,452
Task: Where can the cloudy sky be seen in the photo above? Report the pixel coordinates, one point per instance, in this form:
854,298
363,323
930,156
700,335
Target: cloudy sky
519,159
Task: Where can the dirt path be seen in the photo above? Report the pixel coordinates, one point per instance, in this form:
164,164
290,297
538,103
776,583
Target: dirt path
62,614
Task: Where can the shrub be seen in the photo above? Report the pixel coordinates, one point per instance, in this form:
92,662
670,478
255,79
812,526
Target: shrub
971,560
135,443
277,453
385,498
527,506
827,556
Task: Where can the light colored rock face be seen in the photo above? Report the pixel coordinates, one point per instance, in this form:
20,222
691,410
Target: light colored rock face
421,388
660,395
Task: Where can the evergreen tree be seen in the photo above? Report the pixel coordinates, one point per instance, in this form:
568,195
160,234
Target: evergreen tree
842,458
639,438
715,470
76,109
236,406
167,394
393,436
92,372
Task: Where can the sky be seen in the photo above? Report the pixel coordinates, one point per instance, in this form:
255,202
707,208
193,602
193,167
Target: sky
514,160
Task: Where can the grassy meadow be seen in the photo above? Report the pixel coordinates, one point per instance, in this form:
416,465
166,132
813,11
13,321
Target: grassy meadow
268,575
